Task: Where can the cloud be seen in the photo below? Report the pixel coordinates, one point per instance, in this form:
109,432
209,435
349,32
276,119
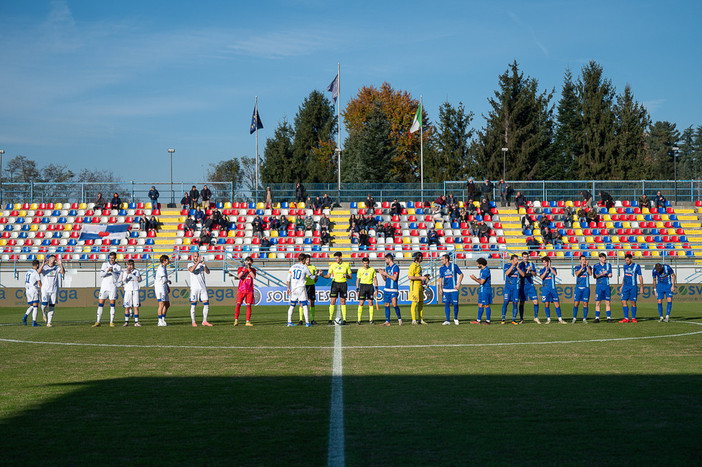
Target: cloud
281,44
527,26
654,104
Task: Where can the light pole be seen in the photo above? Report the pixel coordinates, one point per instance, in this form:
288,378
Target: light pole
2,151
675,171
504,162
172,205
338,180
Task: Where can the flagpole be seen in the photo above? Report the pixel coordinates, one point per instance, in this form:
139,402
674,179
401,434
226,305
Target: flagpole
338,145
421,149
256,187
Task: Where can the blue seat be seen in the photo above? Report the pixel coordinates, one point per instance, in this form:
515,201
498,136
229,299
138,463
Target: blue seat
648,217
562,232
568,254
46,242
527,232
583,225
629,210
455,225
458,240
61,249
31,257
252,205
263,255
410,204
683,238
657,239
354,241
149,241
643,246
607,239
146,256
22,235
62,220
413,226
423,240
10,206
87,220
73,213
131,205
8,228
115,241
285,205
635,204
26,228
246,248
56,235
20,220
72,242
547,210
45,220
308,241
667,204
84,257
609,246
478,218
618,225
123,212
362,248
95,249
689,253
583,246
476,247
316,248
274,241
604,211
133,234
221,241
220,205
259,212
283,233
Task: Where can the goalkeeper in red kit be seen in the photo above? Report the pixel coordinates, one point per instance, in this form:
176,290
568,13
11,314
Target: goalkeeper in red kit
246,275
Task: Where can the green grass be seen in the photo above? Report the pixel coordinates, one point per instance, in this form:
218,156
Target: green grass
427,395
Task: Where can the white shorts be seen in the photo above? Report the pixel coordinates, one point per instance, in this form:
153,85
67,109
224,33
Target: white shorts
162,294
199,295
131,299
32,295
298,295
49,297
108,294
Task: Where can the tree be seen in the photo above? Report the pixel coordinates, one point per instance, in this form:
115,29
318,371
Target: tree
596,137
568,127
369,154
58,184
98,181
661,139
313,143
23,170
277,165
631,121
449,158
226,171
521,120
399,109
690,155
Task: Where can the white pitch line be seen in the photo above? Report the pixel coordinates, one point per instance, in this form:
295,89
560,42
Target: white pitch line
335,452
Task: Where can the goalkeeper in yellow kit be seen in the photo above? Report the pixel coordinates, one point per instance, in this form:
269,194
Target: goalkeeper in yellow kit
417,282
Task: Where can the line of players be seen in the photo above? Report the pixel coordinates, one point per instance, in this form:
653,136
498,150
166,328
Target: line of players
42,280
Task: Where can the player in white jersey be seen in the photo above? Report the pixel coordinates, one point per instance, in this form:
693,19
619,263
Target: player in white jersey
297,275
109,272
130,281
161,289
32,286
49,273
198,288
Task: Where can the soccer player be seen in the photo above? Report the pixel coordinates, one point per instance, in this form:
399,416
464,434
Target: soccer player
417,283
450,276
366,286
582,273
602,271
297,290
664,283
162,289
484,292
391,290
246,275
512,275
32,286
198,288
526,287
310,287
130,281
549,294
49,273
110,272
338,272
628,288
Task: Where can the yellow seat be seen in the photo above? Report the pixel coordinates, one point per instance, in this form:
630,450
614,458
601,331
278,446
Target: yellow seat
621,253
181,219
439,225
40,257
579,232
549,247
589,239
606,218
34,227
626,225
609,225
57,206
646,211
615,239
522,211
68,227
659,225
260,205
656,253
3,242
461,204
187,241
120,256
83,206
638,253
18,206
35,206
361,205
406,240
641,239
569,204
411,212
274,234
228,205
665,217
232,233
23,213
640,217
459,246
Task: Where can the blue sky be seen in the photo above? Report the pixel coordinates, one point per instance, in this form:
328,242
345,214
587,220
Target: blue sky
113,85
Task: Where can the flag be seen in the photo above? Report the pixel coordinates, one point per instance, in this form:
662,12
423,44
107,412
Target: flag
100,231
417,122
334,88
255,121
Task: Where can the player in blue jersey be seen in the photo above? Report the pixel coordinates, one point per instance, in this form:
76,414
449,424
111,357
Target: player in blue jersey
391,290
484,291
526,287
664,283
628,289
602,271
512,275
549,294
582,273
450,276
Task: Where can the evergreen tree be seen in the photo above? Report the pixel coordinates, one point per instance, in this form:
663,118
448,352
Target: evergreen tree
277,164
631,121
568,127
661,139
369,154
313,144
522,121
448,158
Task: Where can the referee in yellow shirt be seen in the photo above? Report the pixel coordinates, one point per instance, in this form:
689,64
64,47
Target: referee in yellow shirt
417,282
366,286
338,272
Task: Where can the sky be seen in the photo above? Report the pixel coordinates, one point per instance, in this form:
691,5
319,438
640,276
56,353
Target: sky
113,85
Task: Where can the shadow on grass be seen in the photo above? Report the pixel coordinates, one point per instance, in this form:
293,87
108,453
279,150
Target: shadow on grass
389,420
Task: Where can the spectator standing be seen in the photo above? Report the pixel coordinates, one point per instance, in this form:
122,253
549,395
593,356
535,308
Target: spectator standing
194,195
153,196
205,197
486,189
300,192
587,198
269,198
326,201
370,202
502,187
606,199
470,189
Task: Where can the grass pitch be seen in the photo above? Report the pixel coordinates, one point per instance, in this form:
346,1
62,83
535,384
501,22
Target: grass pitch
413,395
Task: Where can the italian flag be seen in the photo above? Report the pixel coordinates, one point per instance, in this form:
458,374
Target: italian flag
417,122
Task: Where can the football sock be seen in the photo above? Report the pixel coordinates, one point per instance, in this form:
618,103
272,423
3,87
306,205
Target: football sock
248,312
343,312
205,311
300,313
536,310
34,313
480,313
29,310
514,311
504,309
597,313
633,311
306,314
447,311
625,309
413,311
668,307
312,313
584,312
126,315
50,315
547,310
99,313
112,313
192,313
521,310
331,312
420,310
575,311
291,308
237,310
609,313
370,312
360,312
660,310
488,311
455,311
558,312
397,312
387,313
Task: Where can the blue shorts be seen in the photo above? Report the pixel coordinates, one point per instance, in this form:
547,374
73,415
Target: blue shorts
582,295
664,291
388,296
629,293
528,291
450,297
485,298
511,294
603,293
549,296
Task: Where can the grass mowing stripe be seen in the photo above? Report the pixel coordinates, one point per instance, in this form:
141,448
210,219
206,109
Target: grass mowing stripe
335,455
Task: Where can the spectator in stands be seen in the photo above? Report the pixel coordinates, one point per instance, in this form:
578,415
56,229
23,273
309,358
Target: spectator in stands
363,239
370,202
587,198
486,189
433,237
299,223
153,196
325,237
309,223
115,201
353,220
502,188
592,215
606,199
257,224
526,224
644,201
485,207
185,201
660,201
284,224
453,212
205,237
221,220
450,199
556,237
395,208
308,203
153,224
324,221
265,244
190,224
317,203
274,223
389,230
532,243
326,201
205,197
470,207
269,198
353,232
544,223
100,202
463,215
437,212
568,217
546,234
441,201
200,216
520,201
143,222
483,230
470,189
300,192
194,195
